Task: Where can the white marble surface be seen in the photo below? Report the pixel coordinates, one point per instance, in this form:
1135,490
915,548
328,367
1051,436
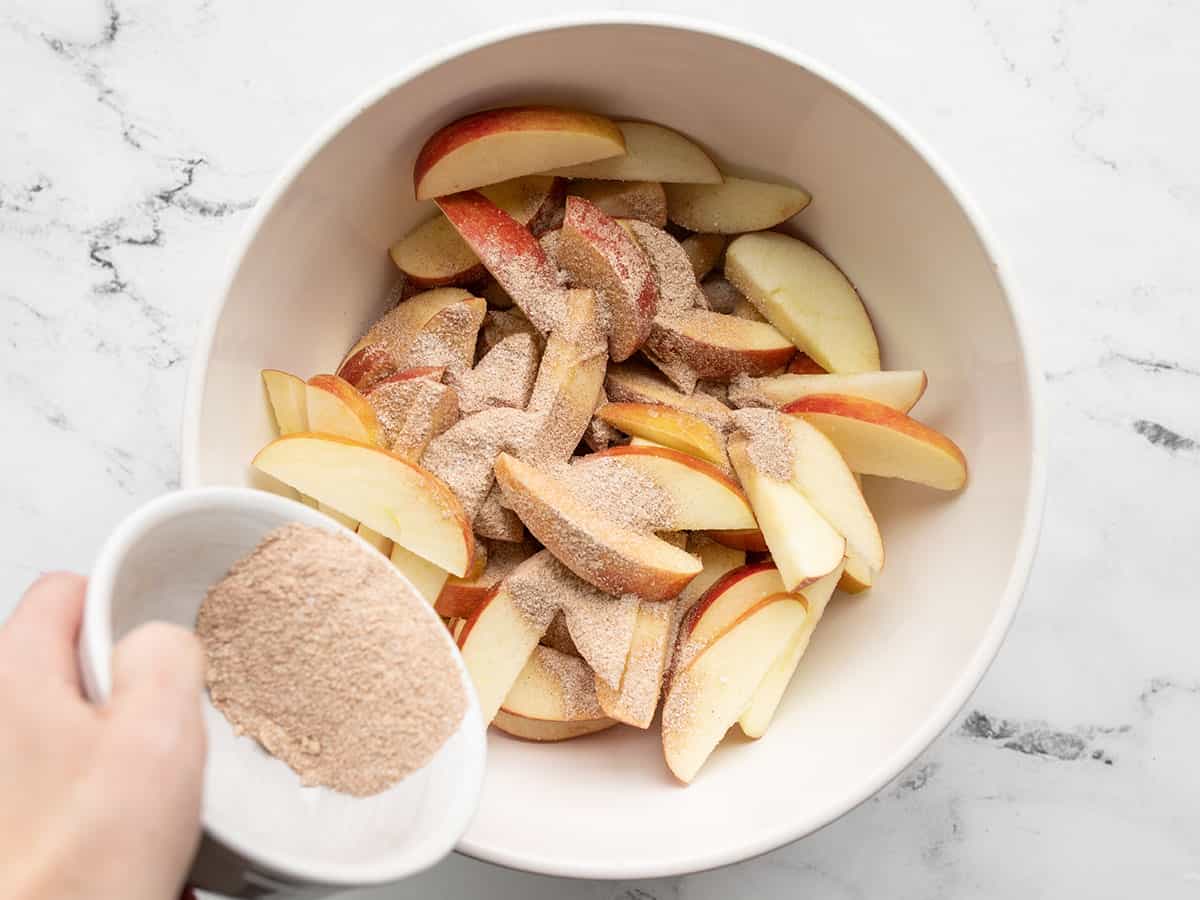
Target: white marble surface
137,133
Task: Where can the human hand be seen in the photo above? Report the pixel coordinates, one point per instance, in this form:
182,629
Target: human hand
98,802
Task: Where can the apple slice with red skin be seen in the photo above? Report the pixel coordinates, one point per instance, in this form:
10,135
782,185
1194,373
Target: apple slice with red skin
498,144
545,731
642,200
735,206
652,153
898,389
632,382
597,253
334,407
669,427
719,346
748,539
877,440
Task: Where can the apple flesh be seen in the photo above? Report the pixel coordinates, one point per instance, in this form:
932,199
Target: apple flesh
669,427
704,251
900,390
335,407
631,382
614,558
802,543
806,297
719,346
597,253
652,153
553,687
702,496
758,715
289,401
708,696
877,440
678,290
543,731
735,206
642,200
746,539
425,576
499,144
389,494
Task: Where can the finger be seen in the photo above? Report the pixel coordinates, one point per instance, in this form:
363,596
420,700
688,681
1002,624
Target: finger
43,630
158,674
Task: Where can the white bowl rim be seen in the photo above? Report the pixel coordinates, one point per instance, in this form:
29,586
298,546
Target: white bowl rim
939,717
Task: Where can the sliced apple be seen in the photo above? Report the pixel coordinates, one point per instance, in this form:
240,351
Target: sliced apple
635,700
614,558
544,730
678,289
335,407
744,309
496,642
448,339
669,427
757,716
511,254
721,296
857,575
735,206
702,496
434,254
554,687
803,364
499,144
727,600
459,597
601,626
288,396
597,253
496,521
745,539
827,482
706,698
501,323
412,411
718,346
425,576
807,298
899,390
679,373
631,382
342,519
642,200
391,495
652,153
381,351
375,539
802,543
704,252
878,440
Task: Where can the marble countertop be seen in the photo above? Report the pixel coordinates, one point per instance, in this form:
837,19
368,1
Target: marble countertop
137,134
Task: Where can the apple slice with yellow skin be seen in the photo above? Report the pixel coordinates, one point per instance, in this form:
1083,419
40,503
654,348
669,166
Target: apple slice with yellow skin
511,254
433,253
669,427
289,400
597,253
719,346
758,715
704,252
426,577
877,440
612,557
381,351
827,482
802,543
631,382
652,153
735,206
335,407
390,495
545,731
745,539
499,144
642,200
496,642
806,297
898,389
857,576
708,696
702,496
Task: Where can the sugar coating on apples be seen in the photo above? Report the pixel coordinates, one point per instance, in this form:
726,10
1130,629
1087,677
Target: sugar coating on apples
620,493
770,444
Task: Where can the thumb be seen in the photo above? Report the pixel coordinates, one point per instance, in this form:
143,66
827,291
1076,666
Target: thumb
157,679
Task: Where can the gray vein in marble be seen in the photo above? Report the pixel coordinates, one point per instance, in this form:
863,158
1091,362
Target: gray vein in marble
1037,739
1161,436
917,779
1145,363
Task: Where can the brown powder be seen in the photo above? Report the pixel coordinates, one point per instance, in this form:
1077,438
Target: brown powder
447,339
643,200
678,372
412,412
463,456
500,323
320,653
677,286
618,492
769,443
558,636
504,377
496,521
744,391
576,680
531,279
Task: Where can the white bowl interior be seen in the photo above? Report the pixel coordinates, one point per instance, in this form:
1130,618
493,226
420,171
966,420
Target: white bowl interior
888,669
159,566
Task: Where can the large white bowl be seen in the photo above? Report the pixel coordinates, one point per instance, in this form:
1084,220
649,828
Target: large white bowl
888,670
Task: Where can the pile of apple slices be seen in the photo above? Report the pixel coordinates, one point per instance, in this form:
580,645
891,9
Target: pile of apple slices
614,430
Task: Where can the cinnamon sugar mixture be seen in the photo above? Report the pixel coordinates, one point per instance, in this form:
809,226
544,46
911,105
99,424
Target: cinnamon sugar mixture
321,654
770,443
